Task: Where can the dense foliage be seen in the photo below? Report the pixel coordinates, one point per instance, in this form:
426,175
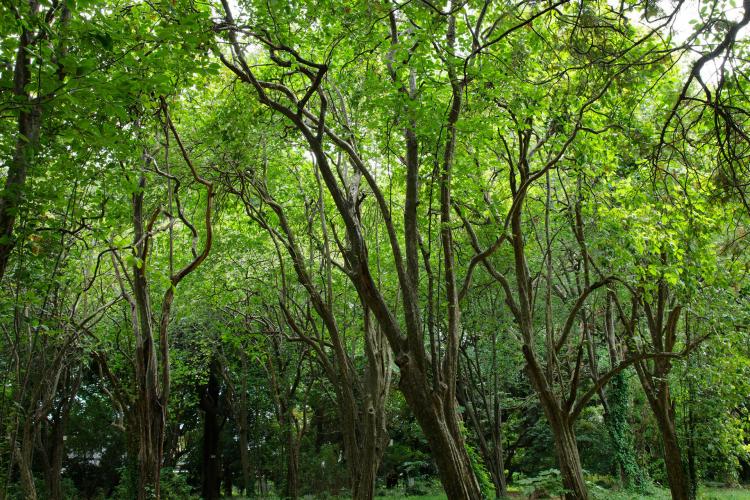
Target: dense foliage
366,248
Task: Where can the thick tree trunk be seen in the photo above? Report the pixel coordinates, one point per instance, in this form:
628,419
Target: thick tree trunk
365,469
55,451
150,436
373,419
364,465
566,447
677,477
131,449
27,142
439,423
363,487
569,461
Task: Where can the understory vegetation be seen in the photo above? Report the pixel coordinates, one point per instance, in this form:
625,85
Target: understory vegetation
374,249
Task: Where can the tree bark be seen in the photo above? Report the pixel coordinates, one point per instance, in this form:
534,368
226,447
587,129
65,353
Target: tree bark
679,484
24,457
373,422
150,413
569,459
247,482
27,142
434,405
662,318
210,465
227,481
439,422
292,464
53,440
563,433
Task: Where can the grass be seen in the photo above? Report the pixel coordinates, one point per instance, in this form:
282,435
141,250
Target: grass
663,494
597,493
657,494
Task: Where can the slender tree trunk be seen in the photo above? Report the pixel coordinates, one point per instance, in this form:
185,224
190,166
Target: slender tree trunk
677,477
227,479
247,483
24,457
211,478
690,420
492,452
662,326
150,414
616,420
617,404
54,442
292,464
497,471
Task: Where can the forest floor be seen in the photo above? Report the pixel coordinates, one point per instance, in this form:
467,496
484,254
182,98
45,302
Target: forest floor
703,494
657,494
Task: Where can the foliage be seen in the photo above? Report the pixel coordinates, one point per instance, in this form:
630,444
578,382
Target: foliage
401,226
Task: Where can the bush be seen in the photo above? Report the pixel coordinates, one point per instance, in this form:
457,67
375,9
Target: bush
173,485
546,484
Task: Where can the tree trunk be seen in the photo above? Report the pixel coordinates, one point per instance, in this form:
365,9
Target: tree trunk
679,485
364,468
227,480
53,440
373,421
247,483
150,436
292,465
24,457
566,447
55,448
439,423
150,413
616,419
569,459
561,426
655,383
616,406
497,470
211,478
27,142
492,451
